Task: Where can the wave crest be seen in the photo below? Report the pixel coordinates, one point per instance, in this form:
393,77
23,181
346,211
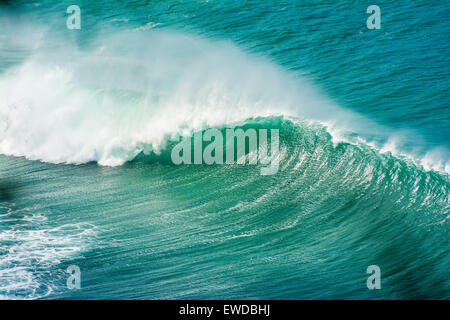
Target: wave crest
131,92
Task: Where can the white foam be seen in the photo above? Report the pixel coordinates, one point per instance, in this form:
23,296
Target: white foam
31,249
109,104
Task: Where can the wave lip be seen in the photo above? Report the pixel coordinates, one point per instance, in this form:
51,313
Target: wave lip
133,91
109,103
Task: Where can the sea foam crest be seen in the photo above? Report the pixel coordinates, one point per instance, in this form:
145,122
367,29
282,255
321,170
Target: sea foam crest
131,91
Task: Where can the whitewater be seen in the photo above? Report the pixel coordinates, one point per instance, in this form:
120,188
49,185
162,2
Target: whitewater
131,92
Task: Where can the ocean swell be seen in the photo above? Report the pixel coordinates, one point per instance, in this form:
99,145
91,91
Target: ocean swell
131,92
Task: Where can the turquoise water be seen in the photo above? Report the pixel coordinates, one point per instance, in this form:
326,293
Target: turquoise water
88,119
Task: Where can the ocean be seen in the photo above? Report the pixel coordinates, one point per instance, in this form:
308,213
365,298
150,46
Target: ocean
89,117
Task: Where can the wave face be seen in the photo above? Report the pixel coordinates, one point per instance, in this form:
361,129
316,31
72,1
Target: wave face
102,113
164,231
